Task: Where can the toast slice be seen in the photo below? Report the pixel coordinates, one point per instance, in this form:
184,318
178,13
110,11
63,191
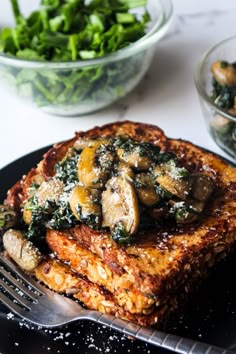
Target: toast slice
88,264
147,275
60,278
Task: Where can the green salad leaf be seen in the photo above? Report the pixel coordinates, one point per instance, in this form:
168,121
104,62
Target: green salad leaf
70,30
74,28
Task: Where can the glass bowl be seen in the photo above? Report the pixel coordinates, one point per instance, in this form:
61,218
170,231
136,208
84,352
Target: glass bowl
84,86
221,124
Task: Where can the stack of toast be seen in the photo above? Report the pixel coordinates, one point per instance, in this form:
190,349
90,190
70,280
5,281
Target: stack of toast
146,280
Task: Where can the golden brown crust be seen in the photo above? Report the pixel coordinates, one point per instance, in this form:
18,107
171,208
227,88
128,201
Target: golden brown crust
138,131
199,159
59,277
88,264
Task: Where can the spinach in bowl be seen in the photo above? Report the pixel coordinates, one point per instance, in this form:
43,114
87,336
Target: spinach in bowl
80,38
224,96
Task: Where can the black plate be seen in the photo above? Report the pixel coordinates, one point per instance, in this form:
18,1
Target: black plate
210,315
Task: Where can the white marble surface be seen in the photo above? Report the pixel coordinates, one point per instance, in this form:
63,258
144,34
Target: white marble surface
166,97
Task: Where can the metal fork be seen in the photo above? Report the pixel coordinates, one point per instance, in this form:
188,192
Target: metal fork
35,303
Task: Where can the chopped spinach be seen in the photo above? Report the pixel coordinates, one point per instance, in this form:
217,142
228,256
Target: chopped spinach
62,217
223,95
39,218
66,170
71,30
130,146
92,220
181,214
120,235
143,149
175,171
162,192
119,140
51,215
164,157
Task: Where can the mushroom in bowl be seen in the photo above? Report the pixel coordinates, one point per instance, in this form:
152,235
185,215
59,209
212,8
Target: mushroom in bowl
215,80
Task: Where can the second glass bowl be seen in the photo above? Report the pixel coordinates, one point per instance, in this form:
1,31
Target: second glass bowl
220,123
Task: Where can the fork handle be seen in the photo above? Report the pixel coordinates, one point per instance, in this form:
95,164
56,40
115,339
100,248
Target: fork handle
171,342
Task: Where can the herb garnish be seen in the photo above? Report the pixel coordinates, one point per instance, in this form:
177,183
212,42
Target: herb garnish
152,193
120,235
66,170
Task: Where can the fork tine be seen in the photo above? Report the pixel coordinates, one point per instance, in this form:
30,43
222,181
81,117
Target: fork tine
22,300
18,310
18,284
23,276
